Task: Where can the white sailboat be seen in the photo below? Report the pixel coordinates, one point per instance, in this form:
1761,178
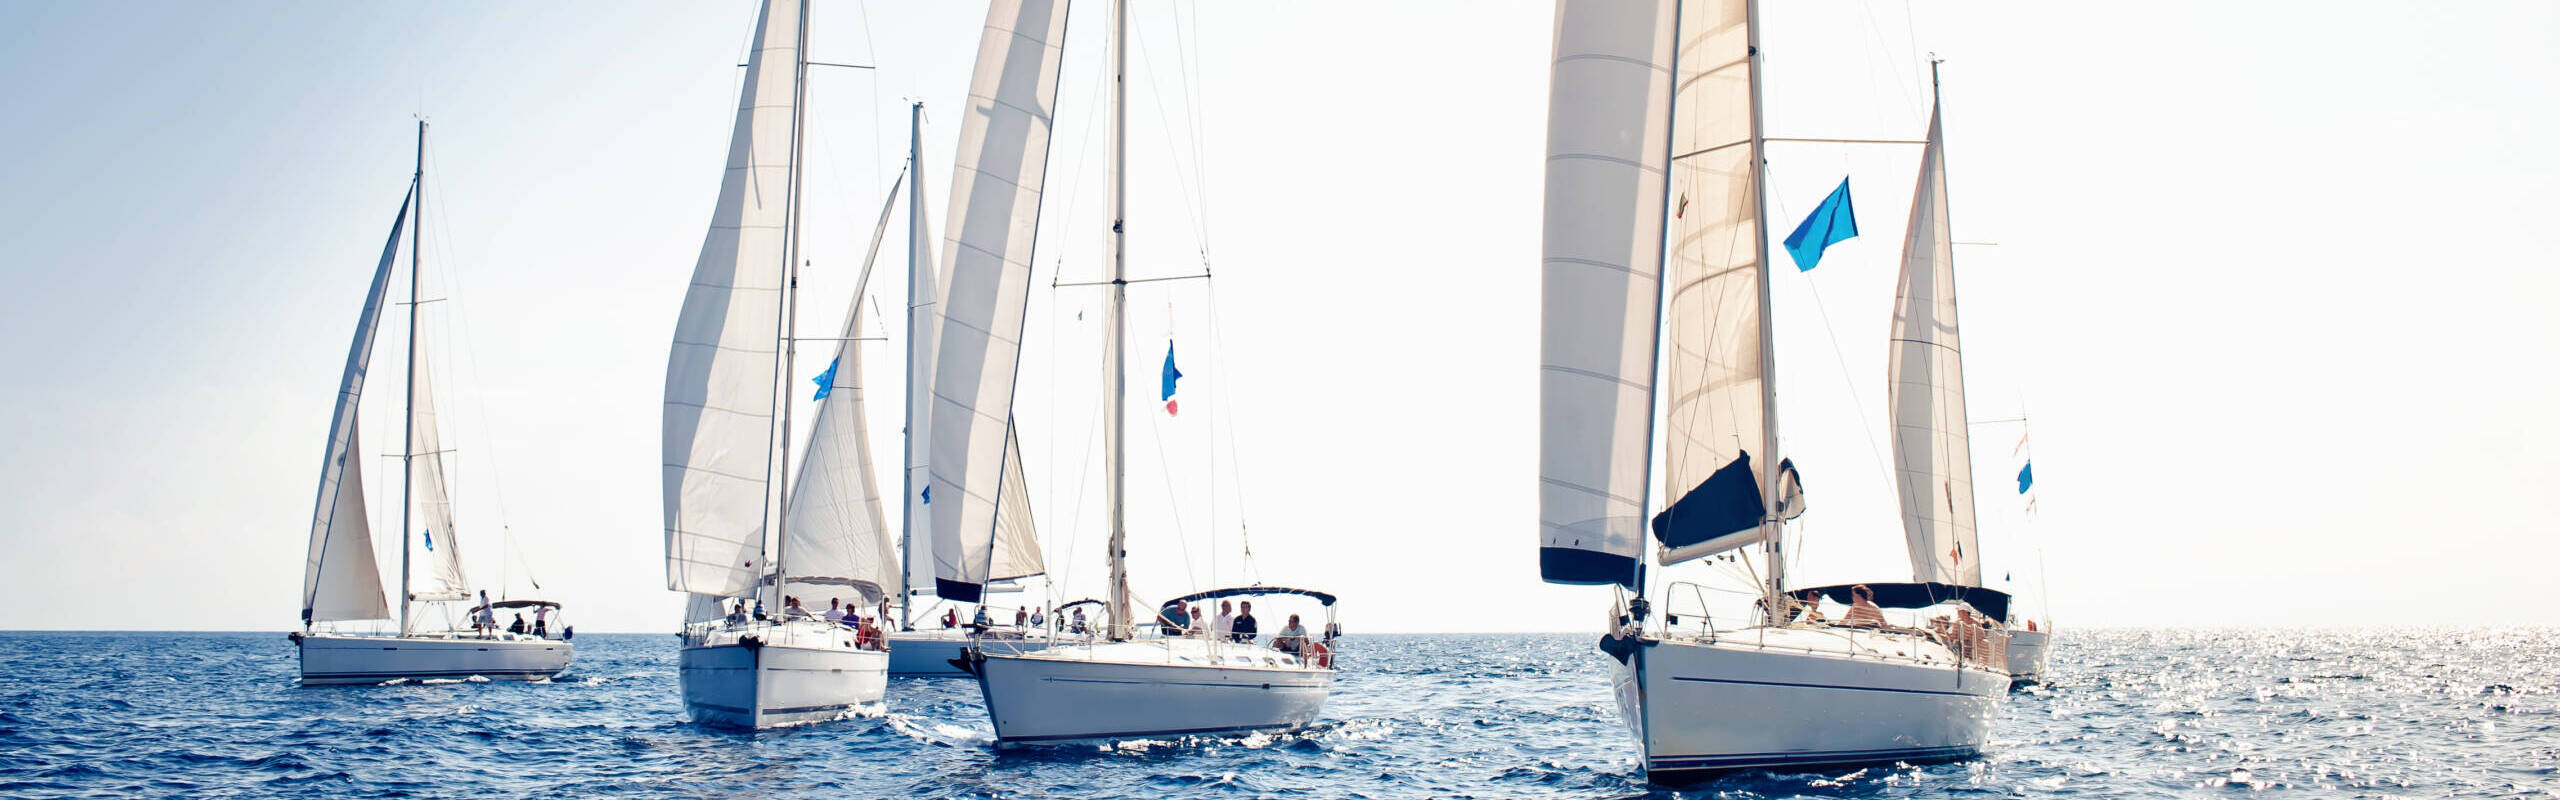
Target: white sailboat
725,486
1121,683
340,581
1656,207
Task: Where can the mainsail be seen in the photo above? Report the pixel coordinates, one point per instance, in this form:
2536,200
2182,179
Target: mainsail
998,174
836,539
1933,461
924,328
339,578
443,576
718,412
1715,410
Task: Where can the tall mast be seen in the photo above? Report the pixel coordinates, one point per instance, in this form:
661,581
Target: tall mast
1118,389
907,428
1773,524
409,411
778,475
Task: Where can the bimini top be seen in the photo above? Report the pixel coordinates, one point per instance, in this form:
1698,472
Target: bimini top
1991,602
523,604
1084,602
1243,591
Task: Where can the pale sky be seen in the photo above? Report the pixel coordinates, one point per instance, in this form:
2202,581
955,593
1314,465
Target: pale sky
2268,277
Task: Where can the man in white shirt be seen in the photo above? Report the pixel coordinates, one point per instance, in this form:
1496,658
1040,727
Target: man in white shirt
835,609
1224,623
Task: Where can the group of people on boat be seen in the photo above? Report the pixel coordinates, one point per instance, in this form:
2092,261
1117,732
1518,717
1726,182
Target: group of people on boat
1969,636
484,621
867,633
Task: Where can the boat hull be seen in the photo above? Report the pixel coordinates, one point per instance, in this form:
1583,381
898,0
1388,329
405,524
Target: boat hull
1700,709
1046,698
929,654
328,659
2027,653
741,685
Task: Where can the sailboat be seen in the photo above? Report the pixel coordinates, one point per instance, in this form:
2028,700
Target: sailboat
750,657
340,582
1655,207
1121,683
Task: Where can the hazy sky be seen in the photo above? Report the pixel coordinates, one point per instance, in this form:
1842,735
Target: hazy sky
2269,278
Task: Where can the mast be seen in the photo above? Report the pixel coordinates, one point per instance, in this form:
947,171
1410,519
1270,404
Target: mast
907,427
409,409
778,493
1773,524
1118,394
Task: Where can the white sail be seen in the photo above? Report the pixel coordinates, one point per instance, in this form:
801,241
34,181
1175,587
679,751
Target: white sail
339,578
1017,541
1715,409
1933,461
998,173
718,413
836,541
1601,259
442,579
924,328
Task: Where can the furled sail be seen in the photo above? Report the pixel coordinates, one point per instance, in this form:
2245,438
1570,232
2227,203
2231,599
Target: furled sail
998,174
836,541
1715,409
718,412
339,578
442,555
924,329
1601,257
1933,462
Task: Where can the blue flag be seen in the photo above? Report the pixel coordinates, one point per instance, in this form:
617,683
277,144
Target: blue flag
2026,476
1831,223
430,533
827,380
1170,375
928,495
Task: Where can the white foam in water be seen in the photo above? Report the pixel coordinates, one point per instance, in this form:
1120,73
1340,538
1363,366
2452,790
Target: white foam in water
393,682
476,679
440,681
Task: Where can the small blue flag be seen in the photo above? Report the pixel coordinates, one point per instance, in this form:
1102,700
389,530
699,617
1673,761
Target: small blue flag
1170,375
1831,223
827,380
928,495
430,533
2026,476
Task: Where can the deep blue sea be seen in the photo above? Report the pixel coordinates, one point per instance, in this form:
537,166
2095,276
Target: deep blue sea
2161,713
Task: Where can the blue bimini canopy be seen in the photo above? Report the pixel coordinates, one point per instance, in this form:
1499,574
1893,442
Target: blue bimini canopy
1166,610
1992,603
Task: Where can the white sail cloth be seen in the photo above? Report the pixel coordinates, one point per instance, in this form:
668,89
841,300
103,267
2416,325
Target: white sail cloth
339,578
836,540
998,175
718,411
1607,121
437,546
1714,454
924,329
1933,460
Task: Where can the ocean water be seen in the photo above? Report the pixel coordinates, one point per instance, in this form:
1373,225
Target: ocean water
2142,713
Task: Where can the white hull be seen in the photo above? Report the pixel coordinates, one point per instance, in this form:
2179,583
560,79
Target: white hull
342,659
765,676
2027,653
1145,689
1758,699
928,654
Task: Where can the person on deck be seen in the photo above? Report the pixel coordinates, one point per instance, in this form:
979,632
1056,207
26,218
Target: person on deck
1811,605
1040,617
791,609
542,622
1198,621
1076,625
737,613
1292,638
1224,625
1172,621
980,621
1862,608
950,618
517,627
484,620
835,609
1246,629
1022,617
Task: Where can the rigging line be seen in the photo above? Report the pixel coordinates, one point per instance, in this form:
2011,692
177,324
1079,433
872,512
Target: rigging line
1195,82
1875,31
1840,358
1184,177
1235,443
1173,506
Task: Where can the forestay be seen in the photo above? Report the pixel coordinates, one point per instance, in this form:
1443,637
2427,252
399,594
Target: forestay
1933,461
1715,412
718,412
339,578
995,209
1607,122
